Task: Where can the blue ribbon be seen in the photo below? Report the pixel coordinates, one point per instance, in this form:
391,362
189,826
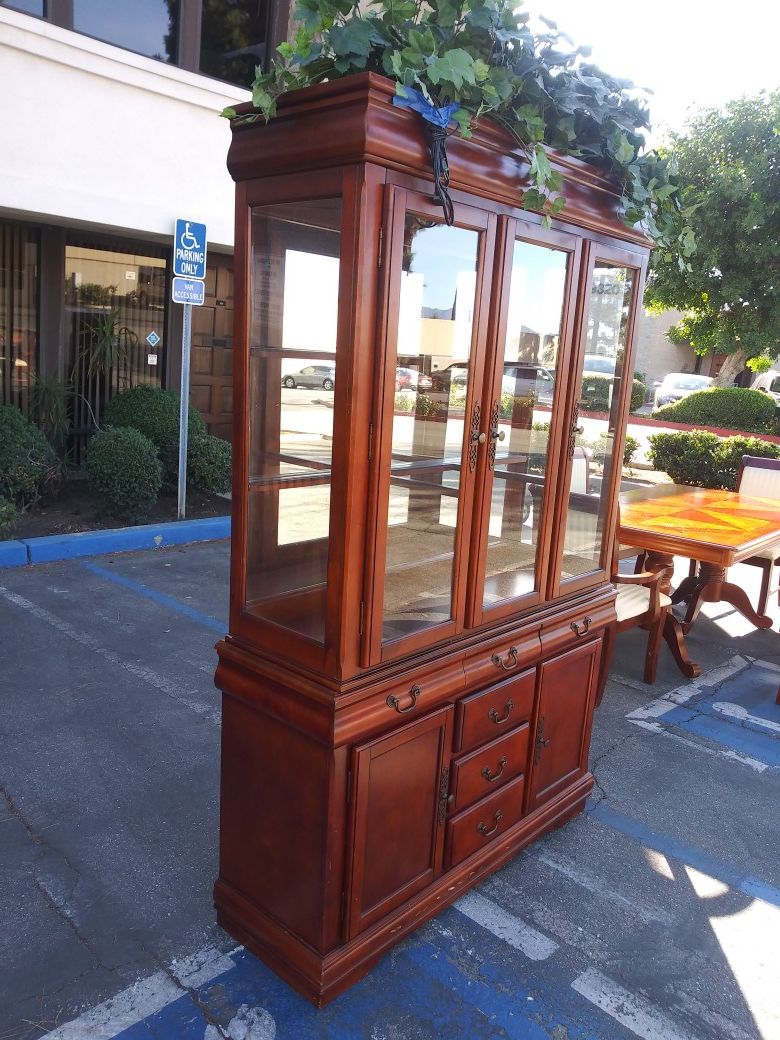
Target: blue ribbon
413,99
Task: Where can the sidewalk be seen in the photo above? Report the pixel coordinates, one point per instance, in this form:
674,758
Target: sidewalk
656,914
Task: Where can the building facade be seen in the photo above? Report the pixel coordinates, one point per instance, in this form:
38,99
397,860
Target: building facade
110,117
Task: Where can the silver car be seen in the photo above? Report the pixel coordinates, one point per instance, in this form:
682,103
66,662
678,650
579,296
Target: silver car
313,377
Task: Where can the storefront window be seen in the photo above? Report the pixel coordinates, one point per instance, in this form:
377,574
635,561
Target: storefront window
115,307
144,26
26,6
18,313
233,39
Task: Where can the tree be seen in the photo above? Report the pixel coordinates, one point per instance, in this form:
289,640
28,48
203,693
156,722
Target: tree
729,288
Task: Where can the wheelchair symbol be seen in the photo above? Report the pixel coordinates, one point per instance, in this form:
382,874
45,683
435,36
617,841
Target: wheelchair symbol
187,239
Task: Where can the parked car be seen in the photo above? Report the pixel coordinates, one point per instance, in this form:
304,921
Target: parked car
677,385
599,365
768,383
312,377
520,378
411,379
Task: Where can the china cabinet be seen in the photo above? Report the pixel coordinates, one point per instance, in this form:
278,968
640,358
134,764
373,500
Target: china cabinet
420,605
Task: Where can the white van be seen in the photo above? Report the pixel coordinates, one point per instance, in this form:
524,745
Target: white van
769,383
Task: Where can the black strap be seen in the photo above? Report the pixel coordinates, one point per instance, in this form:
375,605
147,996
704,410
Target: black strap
437,137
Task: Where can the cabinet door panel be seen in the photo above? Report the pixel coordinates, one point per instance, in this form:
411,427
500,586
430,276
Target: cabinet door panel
562,726
605,367
399,790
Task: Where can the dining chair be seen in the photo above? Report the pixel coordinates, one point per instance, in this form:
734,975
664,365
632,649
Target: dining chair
641,604
760,478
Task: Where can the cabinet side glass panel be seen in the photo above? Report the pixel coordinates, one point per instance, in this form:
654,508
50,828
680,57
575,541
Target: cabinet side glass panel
609,309
436,313
292,376
520,426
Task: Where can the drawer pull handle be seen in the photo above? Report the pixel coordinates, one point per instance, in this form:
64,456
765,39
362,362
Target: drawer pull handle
492,777
585,626
493,713
393,702
483,827
511,657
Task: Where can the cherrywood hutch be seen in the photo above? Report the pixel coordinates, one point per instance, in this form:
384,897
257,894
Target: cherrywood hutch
420,598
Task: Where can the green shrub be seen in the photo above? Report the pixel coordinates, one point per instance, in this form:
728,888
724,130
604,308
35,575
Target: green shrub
703,459
630,448
209,464
638,394
730,455
123,466
730,407
595,393
7,517
155,413
27,462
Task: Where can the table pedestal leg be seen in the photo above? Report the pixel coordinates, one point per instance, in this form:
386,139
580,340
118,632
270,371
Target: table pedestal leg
673,633
710,586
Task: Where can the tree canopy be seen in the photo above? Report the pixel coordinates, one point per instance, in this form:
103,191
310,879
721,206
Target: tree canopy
729,288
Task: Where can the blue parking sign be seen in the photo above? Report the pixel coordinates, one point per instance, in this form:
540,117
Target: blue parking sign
189,249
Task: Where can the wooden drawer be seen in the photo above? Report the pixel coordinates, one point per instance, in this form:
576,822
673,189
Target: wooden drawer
488,769
576,626
477,827
483,716
394,701
499,658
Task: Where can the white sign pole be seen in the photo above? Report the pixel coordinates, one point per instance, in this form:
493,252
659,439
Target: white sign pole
186,338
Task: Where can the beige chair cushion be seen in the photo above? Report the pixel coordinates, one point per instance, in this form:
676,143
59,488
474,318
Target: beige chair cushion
633,600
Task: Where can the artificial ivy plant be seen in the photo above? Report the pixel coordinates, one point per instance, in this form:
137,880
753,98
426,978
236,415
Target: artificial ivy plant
479,58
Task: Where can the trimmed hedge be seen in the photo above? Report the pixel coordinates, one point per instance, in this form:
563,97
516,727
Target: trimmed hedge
702,459
27,460
155,413
594,395
7,516
209,464
123,466
730,407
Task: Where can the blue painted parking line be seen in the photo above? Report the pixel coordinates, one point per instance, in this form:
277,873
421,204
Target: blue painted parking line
748,885
733,708
727,732
169,602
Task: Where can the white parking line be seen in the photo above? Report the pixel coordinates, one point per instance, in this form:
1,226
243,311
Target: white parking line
655,709
535,945
735,756
602,888
145,997
736,711
633,1012
139,671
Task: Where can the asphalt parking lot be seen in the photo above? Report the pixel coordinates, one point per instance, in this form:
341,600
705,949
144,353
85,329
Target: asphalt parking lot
655,914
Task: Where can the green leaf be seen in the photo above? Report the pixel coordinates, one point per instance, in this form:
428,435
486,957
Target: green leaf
455,67
351,38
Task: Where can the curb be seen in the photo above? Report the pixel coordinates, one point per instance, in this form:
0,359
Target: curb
52,548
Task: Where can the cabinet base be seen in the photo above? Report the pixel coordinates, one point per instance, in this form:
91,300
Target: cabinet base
321,978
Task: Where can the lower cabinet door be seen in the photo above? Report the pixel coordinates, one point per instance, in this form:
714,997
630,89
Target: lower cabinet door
567,685
399,796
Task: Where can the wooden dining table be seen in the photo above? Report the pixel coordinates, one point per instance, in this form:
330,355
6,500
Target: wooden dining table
716,529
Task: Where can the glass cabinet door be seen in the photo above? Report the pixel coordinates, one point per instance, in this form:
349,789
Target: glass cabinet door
432,365
294,290
528,389
608,320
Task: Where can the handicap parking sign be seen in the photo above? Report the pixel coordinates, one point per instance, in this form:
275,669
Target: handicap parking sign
189,249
